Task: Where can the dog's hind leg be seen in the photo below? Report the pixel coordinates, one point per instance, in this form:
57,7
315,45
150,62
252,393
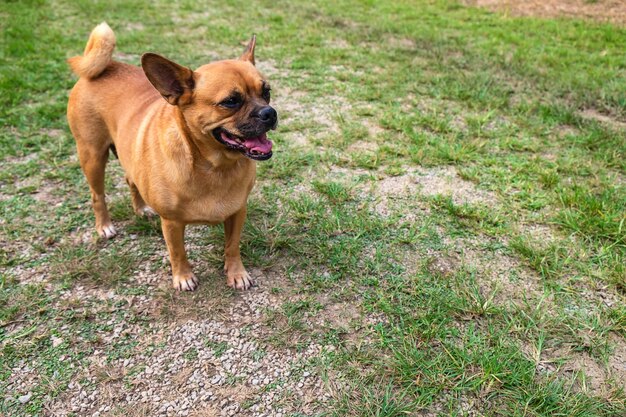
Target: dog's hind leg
93,156
139,205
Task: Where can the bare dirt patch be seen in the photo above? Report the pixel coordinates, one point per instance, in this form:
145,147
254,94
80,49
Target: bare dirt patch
321,117
401,43
52,133
436,181
402,184
338,43
296,105
613,11
390,192
362,145
542,234
134,27
446,181
592,114
273,69
564,131
46,193
590,375
23,159
617,361
443,265
501,277
373,128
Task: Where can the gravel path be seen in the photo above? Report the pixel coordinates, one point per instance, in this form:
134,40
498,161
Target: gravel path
220,366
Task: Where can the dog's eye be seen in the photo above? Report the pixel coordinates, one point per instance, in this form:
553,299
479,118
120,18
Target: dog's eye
232,102
266,94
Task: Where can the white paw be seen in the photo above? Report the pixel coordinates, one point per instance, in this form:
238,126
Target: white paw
239,280
147,211
107,231
185,283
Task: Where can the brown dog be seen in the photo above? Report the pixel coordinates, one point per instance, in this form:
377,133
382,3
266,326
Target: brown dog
187,141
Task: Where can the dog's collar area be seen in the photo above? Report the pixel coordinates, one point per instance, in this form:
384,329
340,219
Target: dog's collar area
258,147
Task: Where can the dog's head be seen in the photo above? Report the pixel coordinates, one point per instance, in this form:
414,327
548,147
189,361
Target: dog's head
225,101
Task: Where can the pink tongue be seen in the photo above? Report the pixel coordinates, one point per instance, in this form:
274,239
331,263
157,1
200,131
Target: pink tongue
260,144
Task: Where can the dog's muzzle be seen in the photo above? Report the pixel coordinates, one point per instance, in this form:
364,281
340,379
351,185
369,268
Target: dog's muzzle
257,147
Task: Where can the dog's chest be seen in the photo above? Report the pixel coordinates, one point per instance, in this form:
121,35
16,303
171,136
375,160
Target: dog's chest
197,196
215,205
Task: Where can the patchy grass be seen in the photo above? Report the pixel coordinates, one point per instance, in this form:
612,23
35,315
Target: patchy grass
443,219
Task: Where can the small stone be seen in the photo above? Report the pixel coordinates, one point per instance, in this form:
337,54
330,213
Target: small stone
25,398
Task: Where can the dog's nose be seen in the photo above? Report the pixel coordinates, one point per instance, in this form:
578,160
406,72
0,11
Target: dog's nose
268,116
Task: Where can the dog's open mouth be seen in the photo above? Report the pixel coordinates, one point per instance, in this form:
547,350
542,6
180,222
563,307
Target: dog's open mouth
256,147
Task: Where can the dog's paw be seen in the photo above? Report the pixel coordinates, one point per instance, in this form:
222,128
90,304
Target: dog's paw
185,282
240,280
147,211
107,231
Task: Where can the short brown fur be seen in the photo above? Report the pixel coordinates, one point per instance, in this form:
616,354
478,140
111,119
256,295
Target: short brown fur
173,164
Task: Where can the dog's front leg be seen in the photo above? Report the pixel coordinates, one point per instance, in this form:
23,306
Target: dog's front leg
174,234
236,275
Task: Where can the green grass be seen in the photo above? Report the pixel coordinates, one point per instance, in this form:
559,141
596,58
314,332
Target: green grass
368,92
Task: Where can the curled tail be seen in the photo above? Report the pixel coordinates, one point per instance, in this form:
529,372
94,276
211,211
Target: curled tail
97,54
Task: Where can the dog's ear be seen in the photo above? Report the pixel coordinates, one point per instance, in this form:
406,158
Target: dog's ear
248,54
173,81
